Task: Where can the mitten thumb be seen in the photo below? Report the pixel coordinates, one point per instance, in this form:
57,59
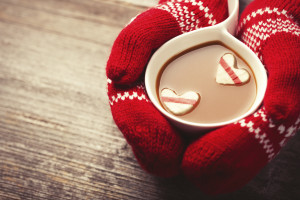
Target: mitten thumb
281,55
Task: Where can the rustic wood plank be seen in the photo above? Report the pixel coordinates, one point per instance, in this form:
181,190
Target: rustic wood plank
57,136
99,11
63,25
143,3
39,96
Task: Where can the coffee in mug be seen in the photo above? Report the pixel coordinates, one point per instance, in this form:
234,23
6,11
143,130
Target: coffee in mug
209,83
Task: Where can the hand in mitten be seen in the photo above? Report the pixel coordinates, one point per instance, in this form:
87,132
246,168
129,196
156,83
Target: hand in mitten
156,145
226,159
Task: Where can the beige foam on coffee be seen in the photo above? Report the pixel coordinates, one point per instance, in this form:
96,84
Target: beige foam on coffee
195,70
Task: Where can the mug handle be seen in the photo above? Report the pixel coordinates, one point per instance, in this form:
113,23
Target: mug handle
231,22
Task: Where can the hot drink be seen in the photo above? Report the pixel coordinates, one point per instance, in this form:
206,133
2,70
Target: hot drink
209,83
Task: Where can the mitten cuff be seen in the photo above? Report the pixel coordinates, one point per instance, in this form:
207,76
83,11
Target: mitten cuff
194,14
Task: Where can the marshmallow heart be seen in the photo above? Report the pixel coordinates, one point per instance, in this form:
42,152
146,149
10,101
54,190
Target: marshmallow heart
228,73
179,105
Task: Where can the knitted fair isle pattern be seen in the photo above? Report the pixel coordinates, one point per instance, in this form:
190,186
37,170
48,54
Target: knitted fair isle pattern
226,159
254,29
156,145
149,30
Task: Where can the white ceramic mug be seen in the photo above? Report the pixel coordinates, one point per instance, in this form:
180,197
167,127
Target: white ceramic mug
220,32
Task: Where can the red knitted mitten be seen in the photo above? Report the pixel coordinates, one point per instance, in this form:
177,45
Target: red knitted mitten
156,145
226,159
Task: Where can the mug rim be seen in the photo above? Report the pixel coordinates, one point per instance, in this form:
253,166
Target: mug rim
219,32
258,71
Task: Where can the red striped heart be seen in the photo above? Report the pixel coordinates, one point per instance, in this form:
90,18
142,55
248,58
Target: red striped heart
179,105
228,73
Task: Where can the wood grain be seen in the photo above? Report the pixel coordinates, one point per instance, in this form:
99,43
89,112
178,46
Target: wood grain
57,137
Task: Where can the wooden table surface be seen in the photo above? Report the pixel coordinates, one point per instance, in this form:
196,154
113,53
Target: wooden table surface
57,136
